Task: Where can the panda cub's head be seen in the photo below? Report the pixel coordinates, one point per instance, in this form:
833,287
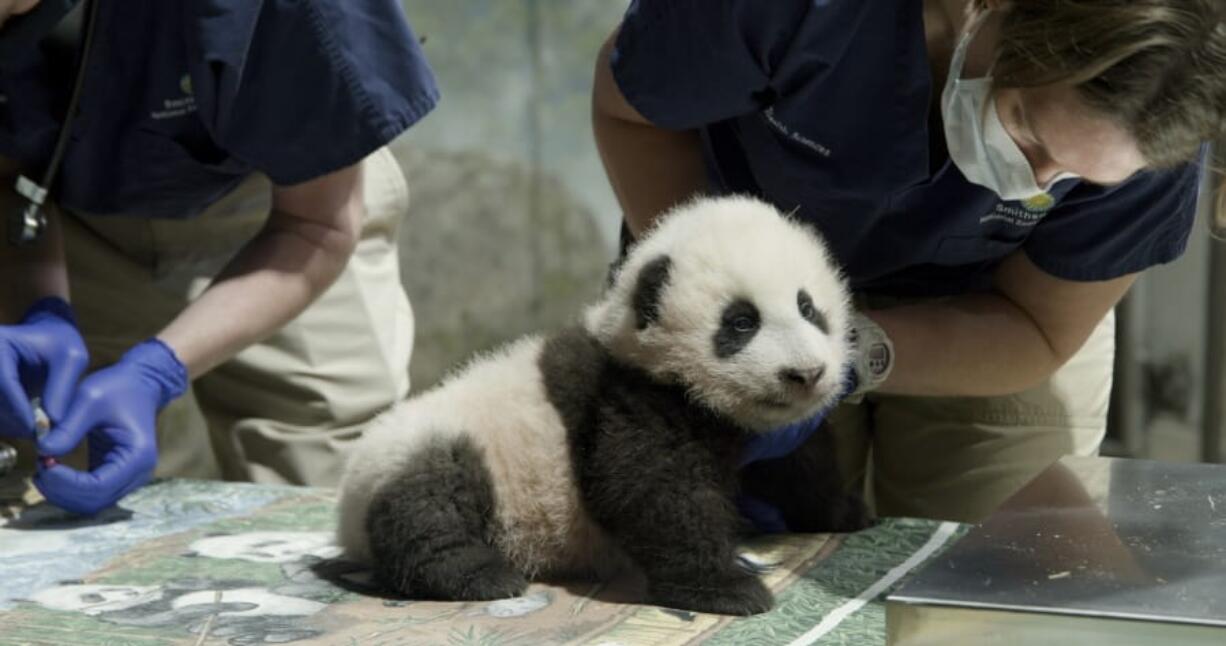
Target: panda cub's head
737,303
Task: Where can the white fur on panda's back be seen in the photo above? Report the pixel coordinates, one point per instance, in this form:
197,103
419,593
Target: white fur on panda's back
499,402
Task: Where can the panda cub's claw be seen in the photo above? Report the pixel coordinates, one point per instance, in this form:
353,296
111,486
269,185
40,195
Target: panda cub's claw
497,581
742,596
470,573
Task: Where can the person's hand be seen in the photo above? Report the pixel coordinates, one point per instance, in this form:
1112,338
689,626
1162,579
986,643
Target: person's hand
116,408
777,444
765,517
782,441
43,355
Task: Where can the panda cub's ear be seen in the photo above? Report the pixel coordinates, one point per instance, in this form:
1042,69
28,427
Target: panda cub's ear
647,289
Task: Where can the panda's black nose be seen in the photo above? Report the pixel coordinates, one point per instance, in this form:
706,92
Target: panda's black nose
803,377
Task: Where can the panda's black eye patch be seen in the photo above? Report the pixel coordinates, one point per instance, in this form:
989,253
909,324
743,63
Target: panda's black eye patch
738,324
804,303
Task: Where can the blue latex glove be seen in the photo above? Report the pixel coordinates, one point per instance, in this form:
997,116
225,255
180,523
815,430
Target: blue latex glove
776,444
782,441
43,355
116,408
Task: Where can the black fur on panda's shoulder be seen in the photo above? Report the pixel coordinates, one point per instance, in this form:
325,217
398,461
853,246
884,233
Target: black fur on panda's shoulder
658,472
572,365
659,427
619,415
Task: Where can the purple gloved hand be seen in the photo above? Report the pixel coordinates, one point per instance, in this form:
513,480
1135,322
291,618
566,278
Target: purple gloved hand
42,356
784,440
116,409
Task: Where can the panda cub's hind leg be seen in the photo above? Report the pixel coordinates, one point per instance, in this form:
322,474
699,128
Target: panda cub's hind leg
431,528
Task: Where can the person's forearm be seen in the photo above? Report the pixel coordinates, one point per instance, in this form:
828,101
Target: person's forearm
972,345
27,273
272,280
650,169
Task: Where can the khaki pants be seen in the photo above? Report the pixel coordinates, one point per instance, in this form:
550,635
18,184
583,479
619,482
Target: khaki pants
958,458
286,409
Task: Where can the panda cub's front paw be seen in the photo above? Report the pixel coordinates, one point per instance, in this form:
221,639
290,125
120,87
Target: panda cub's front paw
497,581
743,595
467,579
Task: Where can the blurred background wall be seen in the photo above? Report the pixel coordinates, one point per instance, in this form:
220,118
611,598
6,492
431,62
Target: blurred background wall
513,223
1170,377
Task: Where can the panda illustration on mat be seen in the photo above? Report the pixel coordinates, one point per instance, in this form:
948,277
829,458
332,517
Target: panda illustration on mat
616,443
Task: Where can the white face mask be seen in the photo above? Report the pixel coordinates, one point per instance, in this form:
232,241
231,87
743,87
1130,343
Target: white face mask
978,142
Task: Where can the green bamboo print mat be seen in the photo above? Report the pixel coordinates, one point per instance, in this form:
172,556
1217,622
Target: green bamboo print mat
191,562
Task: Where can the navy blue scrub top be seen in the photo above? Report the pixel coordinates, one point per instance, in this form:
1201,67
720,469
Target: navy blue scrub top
823,106
185,99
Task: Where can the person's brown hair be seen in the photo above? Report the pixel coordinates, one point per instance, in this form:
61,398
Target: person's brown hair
1156,67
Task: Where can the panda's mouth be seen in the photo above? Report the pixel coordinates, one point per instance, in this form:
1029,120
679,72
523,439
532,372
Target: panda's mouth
785,401
776,402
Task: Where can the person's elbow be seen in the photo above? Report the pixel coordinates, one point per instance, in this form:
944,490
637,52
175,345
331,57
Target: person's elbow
1043,367
323,219
327,210
340,235
1051,347
1060,313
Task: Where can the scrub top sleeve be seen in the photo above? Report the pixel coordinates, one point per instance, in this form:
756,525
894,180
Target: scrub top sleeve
1099,234
687,63
316,87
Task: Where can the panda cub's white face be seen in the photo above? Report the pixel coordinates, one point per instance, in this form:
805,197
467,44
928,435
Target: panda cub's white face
738,303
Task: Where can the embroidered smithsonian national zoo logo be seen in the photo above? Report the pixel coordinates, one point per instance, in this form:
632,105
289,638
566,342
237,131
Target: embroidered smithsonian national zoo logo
179,106
1024,213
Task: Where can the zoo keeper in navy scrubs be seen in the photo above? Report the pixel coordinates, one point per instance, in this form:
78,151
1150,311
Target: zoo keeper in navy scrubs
226,221
991,175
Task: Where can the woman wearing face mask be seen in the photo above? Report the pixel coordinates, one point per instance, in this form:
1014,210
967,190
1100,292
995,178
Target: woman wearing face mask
992,176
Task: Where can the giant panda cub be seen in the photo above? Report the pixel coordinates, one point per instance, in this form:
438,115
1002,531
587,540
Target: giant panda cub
615,443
